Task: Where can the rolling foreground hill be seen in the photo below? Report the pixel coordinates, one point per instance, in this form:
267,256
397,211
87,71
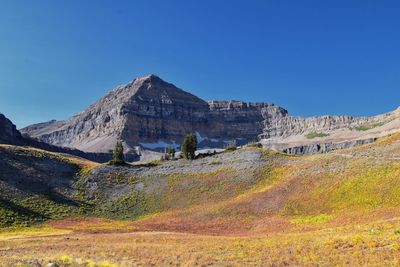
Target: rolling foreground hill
249,207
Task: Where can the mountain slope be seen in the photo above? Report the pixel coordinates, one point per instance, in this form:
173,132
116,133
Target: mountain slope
253,191
150,112
36,185
246,191
296,135
9,133
246,207
11,136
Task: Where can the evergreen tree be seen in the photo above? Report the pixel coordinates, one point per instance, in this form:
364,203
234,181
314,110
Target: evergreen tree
189,146
118,154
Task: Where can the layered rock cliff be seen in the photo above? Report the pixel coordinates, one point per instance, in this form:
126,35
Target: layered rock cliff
326,147
150,113
320,134
291,125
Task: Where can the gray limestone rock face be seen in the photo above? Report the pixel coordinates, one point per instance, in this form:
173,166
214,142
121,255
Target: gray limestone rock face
326,147
290,125
148,112
151,114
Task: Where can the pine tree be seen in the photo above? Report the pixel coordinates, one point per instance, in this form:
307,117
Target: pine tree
189,146
118,155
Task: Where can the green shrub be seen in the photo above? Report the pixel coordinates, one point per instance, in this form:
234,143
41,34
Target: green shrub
313,135
231,146
254,144
367,127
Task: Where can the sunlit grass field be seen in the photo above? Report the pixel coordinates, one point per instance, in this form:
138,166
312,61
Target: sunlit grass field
373,244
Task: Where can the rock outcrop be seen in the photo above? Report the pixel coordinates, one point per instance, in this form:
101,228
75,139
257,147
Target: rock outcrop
9,133
236,119
290,125
326,147
11,136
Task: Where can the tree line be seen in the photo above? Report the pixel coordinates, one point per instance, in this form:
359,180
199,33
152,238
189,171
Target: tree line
188,150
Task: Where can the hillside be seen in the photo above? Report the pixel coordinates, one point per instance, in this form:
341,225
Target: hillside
251,189
36,185
11,136
243,207
231,180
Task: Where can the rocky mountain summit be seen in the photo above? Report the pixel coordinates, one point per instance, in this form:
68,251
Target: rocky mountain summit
151,114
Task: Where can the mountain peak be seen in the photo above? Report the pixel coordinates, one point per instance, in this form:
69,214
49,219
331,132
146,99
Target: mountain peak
150,78
149,111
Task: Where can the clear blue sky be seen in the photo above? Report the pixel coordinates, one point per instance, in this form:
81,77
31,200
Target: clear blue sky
311,57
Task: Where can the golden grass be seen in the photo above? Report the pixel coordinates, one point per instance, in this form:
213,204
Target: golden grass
312,219
317,210
26,232
372,244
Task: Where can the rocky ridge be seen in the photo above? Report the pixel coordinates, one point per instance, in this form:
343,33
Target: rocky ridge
326,147
151,114
11,136
296,135
8,132
291,125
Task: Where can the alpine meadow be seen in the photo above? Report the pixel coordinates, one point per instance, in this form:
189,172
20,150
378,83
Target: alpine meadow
183,133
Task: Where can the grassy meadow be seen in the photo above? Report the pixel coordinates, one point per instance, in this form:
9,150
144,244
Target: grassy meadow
335,209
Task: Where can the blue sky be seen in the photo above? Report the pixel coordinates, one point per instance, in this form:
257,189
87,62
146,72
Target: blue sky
311,57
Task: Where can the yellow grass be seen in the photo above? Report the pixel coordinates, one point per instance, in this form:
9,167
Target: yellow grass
19,233
337,209
373,244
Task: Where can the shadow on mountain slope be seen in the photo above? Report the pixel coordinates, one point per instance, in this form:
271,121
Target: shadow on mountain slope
10,210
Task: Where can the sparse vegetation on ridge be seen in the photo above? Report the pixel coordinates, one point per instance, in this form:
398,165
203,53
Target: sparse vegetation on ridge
169,154
367,127
313,135
231,146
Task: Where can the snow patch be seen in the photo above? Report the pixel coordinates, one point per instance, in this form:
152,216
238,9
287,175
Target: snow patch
159,144
202,138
